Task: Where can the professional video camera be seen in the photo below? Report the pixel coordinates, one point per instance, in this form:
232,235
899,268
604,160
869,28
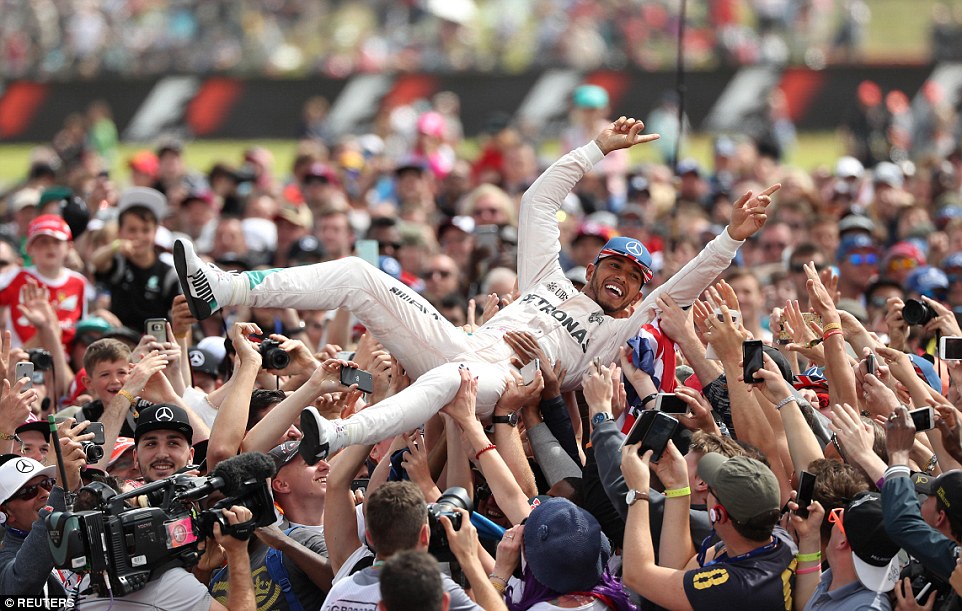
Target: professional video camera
453,498
124,547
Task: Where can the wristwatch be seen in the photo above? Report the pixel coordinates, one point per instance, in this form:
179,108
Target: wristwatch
511,419
634,496
600,417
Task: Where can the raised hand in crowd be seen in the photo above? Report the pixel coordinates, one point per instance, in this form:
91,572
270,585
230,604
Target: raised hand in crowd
517,394
526,347
623,133
181,320
944,322
898,329
491,307
699,416
949,423
597,389
854,440
805,336
465,545
16,404
382,369
74,458
749,213
302,363
416,464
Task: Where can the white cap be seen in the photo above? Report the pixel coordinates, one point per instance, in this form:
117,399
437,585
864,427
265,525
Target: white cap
145,197
24,198
849,167
16,472
214,345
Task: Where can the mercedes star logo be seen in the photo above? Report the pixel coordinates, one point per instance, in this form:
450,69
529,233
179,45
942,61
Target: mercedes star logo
23,466
634,248
197,359
165,414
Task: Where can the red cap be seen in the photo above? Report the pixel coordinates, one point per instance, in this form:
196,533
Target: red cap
144,162
51,225
120,446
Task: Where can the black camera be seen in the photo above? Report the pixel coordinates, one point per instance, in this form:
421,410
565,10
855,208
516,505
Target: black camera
41,359
453,498
92,451
272,356
916,312
123,547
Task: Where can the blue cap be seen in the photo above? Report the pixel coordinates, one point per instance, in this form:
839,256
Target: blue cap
953,260
926,371
854,242
590,96
390,266
926,280
688,166
628,248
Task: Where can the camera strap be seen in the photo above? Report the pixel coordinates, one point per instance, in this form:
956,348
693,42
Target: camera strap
274,561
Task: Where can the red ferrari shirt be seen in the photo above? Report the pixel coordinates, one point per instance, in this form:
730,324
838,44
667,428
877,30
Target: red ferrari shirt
67,296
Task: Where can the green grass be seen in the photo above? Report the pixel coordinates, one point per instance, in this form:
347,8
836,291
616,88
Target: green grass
812,150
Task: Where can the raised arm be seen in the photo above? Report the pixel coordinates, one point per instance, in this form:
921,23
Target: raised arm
227,431
538,226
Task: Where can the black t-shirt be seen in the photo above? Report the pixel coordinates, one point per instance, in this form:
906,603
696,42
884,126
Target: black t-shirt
137,293
763,581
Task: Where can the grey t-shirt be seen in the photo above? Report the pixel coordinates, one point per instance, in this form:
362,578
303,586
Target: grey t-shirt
174,590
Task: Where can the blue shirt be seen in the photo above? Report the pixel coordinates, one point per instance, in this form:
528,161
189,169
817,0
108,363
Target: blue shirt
850,597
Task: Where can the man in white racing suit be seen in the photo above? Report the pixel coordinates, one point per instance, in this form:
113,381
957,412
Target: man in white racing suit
572,327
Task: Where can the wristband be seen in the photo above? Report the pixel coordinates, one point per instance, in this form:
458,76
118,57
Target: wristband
809,557
880,483
831,333
784,402
9,437
831,326
670,494
648,399
811,569
126,395
486,448
498,584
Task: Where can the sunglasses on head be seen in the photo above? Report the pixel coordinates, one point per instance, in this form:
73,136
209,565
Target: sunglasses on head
902,264
30,492
863,259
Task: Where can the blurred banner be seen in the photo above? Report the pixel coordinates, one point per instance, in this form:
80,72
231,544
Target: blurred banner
228,108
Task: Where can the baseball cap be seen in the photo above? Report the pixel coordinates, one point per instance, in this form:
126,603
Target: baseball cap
120,446
203,361
199,194
631,249
849,167
925,370
320,170
946,487
724,146
214,344
16,472
51,225
745,487
856,222
390,266
32,423
854,242
143,197
926,280
904,250
874,554
953,260
163,417
24,198
887,173
432,123
564,546
594,229
590,96
688,166
284,453
296,214
144,162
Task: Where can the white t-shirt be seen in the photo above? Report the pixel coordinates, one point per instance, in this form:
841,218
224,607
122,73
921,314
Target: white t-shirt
176,590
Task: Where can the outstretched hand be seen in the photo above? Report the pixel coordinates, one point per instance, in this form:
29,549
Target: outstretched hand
623,133
749,213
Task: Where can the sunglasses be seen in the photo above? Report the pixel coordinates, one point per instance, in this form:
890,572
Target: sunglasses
902,264
866,259
835,517
394,245
30,492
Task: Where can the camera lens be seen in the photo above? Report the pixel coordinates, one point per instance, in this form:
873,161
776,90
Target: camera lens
92,451
272,356
916,312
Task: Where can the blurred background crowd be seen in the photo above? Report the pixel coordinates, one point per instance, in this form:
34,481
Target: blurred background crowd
87,38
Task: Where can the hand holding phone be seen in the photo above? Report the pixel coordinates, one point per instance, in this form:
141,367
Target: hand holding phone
870,363
752,360
157,327
528,371
654,430
923,418
670,403
25,370
363,379
806,488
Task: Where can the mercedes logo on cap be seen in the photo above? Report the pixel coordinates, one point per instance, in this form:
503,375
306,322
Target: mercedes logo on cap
634,247
24,466
197,358
164,413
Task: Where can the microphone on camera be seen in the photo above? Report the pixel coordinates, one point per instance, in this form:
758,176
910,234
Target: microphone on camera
230,475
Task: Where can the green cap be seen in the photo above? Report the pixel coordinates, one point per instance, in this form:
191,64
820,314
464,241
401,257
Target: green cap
54,194
590,96
745,487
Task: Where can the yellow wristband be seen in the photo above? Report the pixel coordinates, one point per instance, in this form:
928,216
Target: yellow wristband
686,491
809,557
830,326
126,395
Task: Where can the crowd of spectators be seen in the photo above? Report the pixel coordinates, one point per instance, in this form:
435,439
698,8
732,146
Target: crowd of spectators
850,274
88,38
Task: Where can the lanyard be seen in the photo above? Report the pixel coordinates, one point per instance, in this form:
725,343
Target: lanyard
724,559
